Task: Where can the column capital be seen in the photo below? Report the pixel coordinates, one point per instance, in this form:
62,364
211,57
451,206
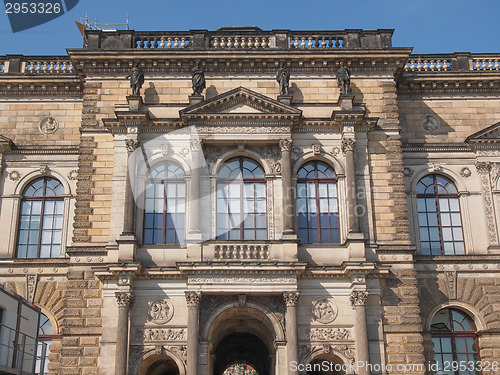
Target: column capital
359,298
132,144
193,298
285,145
124,299
348,144
195,144
483,166
291,298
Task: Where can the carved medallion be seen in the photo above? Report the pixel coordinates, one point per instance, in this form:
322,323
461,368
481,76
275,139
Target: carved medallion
48,125
430,123
324,311
160,311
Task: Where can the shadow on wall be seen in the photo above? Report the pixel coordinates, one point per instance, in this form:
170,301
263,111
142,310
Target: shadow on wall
151,95
211,92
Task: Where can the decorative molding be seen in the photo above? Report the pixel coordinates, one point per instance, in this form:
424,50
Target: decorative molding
358,298
14,175
132,144
324,311
327,334
291,298
193,298
160,311
483,169
483,166
451,284
316,149
48,125
465,172
31,283
242,280
124,299
494,174
73,175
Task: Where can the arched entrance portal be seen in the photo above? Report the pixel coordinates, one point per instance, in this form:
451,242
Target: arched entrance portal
159,364
243,349
325,365
242,337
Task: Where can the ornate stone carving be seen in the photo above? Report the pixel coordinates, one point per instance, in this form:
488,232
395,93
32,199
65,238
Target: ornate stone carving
285,145
296,153
283,77
44,169
327,334
132,145
465,172
270,208
14,176
272,156
166,149
324,311
344,79
408,173
494,174
136,77
483,166
430,123
451,284
316,149
209,303
195,145
242,299
160,311
179,350
48,125
291,298
359,298
348,144
160,334
347,351
488,203
198,79
124,299
242,280
31,282
193,298
73,175
307,351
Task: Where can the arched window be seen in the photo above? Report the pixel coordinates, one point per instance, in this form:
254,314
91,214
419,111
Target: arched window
317,204
41,219
165,206
45,332
455,340
241,201
439,218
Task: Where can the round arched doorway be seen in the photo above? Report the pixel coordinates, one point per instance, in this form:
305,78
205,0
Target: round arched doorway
242,340
159,364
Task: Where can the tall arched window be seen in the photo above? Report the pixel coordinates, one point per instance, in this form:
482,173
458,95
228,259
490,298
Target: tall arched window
455,341
41,219
317,204
439,218
165,206
45,332
241,201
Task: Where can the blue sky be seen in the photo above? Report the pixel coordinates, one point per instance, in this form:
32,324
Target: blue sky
437,26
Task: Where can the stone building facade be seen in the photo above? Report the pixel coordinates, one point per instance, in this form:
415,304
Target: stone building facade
182,234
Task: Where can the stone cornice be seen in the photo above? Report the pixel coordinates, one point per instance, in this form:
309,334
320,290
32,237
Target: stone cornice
450,83
242,268
40,85
444,147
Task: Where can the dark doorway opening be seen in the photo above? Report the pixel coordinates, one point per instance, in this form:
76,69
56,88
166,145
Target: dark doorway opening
242,348
163,367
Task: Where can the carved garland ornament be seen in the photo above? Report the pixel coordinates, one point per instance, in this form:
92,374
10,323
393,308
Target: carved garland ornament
161,334
160,311
327,334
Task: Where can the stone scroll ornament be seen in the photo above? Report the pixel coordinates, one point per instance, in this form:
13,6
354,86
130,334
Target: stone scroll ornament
160,311
136,77
324,311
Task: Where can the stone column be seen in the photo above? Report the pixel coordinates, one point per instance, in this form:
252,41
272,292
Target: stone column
194,198
350,176
193,303
124,300
128,224
286,181
358,302
292,349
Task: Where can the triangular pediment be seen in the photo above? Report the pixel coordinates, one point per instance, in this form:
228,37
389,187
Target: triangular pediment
489,134
240,101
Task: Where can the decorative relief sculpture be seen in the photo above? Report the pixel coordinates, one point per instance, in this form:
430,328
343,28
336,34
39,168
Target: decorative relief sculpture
132,145
136,79
285,145
48,125
283,77
198,79
193,298
160,311
124,299
327,334
348,144
73,175
344,79
407,172
430,123
451,284
291,298
161,334
324,311
14,176
31,281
